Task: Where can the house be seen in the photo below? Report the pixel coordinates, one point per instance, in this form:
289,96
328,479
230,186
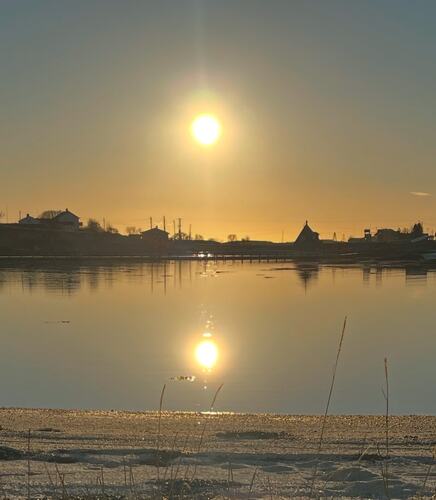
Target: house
155,241
155,235
387,235
67,218
29,220
307,237
63,220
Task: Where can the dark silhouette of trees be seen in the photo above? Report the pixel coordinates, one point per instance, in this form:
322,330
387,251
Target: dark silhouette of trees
94,225
417,230
110,229
50,214
133,230
181,236
232,237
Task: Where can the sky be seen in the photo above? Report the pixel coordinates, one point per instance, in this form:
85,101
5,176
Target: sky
327,108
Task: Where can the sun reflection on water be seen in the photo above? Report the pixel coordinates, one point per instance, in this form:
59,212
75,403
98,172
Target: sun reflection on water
206,353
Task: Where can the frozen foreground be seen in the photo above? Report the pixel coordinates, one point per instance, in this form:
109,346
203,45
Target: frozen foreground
119,454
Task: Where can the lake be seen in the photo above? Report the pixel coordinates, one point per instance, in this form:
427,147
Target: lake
108,335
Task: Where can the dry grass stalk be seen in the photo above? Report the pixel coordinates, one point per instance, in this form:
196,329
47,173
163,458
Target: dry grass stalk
28,465
385,471
62,481
252,481
203,431
102,481
427,475
167,467
386,395
159,431
50,479
125,472
324,420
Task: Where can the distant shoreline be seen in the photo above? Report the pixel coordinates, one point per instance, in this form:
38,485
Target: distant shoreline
248,259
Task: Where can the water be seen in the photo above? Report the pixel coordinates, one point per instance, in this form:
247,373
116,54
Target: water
109,336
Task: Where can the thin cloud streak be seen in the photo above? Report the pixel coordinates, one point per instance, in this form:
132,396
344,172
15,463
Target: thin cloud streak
419,193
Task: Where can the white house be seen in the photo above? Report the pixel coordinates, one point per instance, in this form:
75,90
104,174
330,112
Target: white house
68,218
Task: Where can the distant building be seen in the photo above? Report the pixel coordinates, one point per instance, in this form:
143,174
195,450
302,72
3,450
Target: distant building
67,218
63,220
387,235
307,237
155,240
29,220
367,237
155,235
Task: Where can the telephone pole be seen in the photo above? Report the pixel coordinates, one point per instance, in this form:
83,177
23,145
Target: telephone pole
180,228
164,224
151,222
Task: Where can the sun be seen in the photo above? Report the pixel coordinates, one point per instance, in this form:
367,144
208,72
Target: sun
206,353
206,129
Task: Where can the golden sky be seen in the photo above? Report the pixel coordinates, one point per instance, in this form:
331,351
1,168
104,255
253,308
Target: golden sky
327,112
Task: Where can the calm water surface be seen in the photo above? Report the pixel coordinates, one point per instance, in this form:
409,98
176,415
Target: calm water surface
109,336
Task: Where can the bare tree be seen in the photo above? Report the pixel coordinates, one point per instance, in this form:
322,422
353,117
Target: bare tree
133,230
246,238
111,229
232,237
50,214
198,237
94,225
181,236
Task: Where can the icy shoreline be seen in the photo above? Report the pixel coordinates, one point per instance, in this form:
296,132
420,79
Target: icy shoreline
92,453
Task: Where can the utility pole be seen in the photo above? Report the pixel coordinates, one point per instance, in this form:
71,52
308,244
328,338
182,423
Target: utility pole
151,222
164,224
174,229
180,228
190,231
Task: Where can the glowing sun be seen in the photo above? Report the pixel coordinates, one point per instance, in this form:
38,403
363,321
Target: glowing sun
206,353
206,129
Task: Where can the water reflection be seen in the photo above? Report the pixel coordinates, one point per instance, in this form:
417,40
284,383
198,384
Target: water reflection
206,354
308,274
416,275
108,335
69,277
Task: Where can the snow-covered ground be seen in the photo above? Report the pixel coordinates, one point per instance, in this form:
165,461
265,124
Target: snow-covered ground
112,453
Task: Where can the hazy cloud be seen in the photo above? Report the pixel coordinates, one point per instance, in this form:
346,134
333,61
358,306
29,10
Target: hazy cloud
419,193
